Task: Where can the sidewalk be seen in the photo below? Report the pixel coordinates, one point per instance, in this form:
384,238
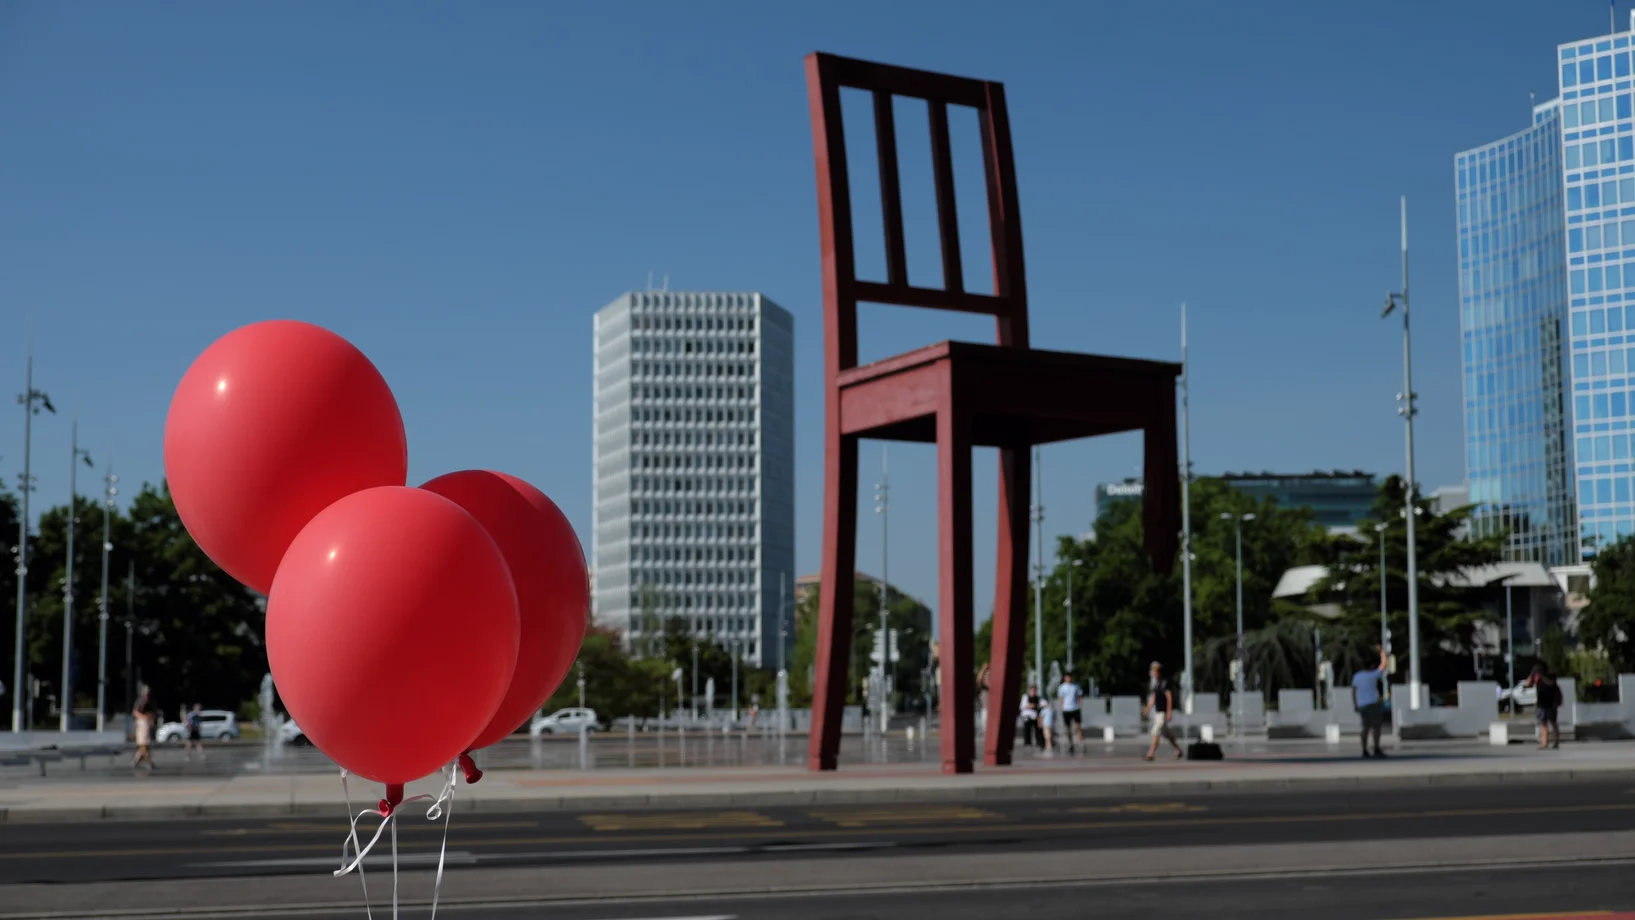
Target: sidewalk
1100,774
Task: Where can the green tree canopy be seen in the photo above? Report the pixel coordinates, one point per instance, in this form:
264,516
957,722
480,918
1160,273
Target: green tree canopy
1608,623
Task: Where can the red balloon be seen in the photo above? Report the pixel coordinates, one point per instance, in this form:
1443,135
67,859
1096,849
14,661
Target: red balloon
553,588
270,425
392,632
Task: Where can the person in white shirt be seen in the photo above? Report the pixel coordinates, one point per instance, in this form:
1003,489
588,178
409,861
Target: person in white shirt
1030,716
1071,695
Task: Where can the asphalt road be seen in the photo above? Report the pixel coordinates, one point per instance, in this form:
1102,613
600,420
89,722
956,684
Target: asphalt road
1589,893
120,850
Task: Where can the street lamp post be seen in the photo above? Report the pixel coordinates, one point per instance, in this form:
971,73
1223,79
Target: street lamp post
783,662
110,489
581,685
1186,522
1407,410
1038,566
882,507
32,401
130,628
1071,566
75,454
1509,641
1385,626
1237,684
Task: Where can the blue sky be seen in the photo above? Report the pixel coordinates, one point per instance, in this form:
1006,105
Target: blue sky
457,187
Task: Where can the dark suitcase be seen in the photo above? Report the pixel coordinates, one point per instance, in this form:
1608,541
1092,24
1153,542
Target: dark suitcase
1203,750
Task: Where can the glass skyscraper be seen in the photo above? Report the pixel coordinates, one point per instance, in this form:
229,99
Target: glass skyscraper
1598,160
1513,307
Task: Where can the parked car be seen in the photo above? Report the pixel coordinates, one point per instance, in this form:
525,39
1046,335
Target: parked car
214,725
290,733
1518,697
565,722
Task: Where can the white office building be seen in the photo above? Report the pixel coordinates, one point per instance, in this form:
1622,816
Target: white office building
694,513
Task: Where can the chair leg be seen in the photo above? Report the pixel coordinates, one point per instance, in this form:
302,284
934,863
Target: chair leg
835,600
1010,608
954,597
1161,463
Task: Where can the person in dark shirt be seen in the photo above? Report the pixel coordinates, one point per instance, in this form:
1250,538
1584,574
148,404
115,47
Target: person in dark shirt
1548,708
1160,708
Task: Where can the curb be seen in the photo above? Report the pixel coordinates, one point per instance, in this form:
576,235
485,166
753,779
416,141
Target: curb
841,796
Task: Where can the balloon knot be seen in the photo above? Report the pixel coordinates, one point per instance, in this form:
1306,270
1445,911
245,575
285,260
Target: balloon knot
394,798
469,767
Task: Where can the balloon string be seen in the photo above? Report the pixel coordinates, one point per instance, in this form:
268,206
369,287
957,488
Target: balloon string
346,790
441,807
448,818
394,868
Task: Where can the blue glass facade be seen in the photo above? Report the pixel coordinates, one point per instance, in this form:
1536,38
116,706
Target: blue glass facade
1598,159
1513,307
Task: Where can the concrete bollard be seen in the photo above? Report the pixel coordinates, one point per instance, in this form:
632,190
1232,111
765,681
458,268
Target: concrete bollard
1206,734
1331,733
1498,734
1107,733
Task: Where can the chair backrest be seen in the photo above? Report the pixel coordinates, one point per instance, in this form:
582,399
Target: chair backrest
826,74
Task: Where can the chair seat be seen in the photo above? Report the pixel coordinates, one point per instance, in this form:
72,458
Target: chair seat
1013,396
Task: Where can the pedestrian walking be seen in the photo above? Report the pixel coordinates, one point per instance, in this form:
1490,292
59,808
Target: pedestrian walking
1047,727
1547,709
1071,696
142,724
1160,707
1366,696
195,728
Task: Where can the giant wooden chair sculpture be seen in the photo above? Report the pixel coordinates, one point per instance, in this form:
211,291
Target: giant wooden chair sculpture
958,395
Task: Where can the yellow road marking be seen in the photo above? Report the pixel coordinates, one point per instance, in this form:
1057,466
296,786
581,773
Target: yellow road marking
1138,808
899,815
1033,827
635,821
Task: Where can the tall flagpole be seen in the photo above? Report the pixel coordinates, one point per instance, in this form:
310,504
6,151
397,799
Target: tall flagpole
1186,520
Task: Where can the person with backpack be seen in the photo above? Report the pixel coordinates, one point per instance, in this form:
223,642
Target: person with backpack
1547,709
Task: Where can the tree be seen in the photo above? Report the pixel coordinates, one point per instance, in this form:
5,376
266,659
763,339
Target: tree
912,620
615,684
198,633
1608,622
1125,615
1449,608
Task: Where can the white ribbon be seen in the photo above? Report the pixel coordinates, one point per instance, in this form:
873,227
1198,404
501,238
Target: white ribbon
441,807
347,791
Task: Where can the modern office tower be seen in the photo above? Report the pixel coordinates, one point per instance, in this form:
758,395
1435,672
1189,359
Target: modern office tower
1513,312
694,513
1598,159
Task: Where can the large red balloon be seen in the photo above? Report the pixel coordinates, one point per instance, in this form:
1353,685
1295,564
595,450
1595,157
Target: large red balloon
392,632
270,425
553,588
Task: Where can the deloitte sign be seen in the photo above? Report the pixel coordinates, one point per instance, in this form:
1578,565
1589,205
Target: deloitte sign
1117,491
